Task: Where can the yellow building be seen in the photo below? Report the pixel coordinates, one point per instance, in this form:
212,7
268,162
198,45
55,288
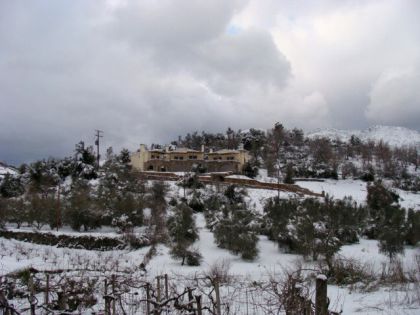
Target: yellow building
185,159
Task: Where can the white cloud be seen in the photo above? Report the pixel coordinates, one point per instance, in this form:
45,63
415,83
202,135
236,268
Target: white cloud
395,98
148,71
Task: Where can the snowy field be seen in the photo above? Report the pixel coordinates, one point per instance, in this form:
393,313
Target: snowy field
271,262
357,190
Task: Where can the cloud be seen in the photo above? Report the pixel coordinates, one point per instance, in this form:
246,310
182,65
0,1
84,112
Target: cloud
395,98
148,71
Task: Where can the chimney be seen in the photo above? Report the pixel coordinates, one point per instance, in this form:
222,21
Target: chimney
202,148
142,147
211,150
166,148
240,146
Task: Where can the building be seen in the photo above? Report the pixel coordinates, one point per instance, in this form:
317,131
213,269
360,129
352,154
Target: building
185,159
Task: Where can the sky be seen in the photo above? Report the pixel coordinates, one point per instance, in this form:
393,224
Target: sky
148,71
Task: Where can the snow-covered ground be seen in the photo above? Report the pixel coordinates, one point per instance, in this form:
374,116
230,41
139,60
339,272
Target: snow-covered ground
394,136
357,190
16,255
4,169
271,261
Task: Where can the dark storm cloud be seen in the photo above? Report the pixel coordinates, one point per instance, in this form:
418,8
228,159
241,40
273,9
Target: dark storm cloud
148,71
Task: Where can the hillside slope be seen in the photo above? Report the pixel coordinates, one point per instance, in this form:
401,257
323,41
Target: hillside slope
394,136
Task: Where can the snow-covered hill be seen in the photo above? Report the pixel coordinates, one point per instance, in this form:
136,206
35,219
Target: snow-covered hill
394,136
5,169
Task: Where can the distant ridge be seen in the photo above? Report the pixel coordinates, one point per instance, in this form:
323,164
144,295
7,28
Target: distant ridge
4,169
394,136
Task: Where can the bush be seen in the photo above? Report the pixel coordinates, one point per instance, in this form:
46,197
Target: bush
193,257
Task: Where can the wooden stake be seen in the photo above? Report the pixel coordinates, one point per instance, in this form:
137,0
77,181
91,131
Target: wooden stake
148,298
191,301
31,294
321,304
113,295
158,288
198,301
106,297
47,290
217,291
166,286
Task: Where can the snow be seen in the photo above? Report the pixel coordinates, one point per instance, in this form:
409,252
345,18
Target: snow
4,169
322,277
238,177
16,255
394,136
358,191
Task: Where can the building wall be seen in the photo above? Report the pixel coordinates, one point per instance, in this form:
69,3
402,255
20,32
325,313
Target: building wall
145,160
188,165
222,166
171,165
185,155
139,158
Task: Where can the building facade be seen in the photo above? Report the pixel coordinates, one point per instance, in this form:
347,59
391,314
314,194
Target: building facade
185,160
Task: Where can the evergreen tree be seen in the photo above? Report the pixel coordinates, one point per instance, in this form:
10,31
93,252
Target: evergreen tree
392,231
288,179
236,233
11,186
412,228
81,210
183,233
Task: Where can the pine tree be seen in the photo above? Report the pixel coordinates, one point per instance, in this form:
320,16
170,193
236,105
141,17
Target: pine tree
288,179
11,186
392,231
412,228
81,208
235,232
183,233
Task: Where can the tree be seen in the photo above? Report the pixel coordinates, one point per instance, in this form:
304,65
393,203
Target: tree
275,145
158,205
235,232
288,179
379,198
13,210
412,228
81,210
183,232
11,186
250,168
392,231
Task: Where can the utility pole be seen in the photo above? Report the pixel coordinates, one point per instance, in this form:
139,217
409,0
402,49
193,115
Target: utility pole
99,134
58,223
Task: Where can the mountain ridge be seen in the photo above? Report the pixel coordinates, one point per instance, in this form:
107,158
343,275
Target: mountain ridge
395,136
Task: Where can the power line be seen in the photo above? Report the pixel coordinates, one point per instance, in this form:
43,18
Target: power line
98,134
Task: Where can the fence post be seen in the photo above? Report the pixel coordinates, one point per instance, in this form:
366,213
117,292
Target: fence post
198,300
106,297
321,304
217,291
158,288
190,300
47,290
148,298
113,295
166,286
31,294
